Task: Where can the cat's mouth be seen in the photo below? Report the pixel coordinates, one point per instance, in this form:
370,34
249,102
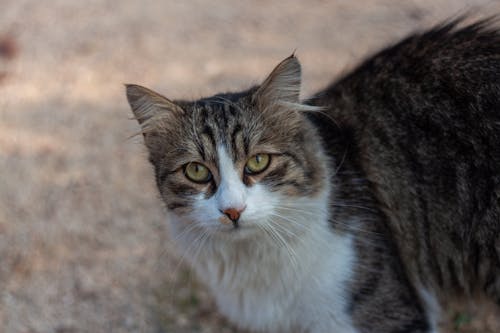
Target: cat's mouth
234,225
238,228
227,221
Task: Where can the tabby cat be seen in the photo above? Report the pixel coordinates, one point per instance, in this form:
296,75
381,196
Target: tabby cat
361,209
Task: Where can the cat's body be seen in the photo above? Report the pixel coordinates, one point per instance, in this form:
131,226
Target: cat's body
357,211
423,118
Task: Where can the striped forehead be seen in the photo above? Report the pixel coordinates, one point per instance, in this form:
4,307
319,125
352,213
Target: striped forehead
219,115
220,124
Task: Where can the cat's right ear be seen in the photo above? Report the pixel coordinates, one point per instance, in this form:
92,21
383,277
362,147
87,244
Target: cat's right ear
149,107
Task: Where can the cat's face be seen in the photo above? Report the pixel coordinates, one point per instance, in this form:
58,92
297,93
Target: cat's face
234,165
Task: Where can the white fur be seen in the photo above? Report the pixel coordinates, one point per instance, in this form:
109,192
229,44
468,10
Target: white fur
432,308
291,279
232,192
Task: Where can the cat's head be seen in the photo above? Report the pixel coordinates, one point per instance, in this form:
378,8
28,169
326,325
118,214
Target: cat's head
235,165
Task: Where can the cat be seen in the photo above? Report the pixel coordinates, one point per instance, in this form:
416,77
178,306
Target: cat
360,209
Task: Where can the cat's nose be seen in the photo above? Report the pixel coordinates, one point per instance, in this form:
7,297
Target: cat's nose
234,214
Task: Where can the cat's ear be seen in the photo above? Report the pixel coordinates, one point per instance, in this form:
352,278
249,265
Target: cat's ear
282,85
148,106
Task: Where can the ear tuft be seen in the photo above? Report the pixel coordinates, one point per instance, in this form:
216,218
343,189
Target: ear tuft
147,104
283,84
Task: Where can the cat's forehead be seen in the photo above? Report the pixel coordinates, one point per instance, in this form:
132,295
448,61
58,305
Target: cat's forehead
236,122
221,113
225,123
217,111
222,107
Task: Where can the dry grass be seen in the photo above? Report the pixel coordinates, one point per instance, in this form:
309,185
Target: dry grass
82,243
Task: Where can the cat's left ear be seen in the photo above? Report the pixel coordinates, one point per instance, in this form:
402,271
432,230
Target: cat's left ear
282,85
148,106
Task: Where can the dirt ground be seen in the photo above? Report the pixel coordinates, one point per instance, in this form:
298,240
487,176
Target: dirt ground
82,240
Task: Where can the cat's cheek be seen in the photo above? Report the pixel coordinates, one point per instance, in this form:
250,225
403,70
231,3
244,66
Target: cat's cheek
261,203
205,212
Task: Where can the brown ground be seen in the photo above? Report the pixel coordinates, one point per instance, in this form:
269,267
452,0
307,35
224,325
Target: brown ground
82,244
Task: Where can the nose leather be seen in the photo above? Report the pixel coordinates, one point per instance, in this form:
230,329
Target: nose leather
233,214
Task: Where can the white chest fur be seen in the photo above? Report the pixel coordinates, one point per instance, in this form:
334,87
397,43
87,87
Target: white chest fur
263,285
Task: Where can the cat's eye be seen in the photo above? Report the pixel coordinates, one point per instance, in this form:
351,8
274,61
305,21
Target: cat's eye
197,172
257,163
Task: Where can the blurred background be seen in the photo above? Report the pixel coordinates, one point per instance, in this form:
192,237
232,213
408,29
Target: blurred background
82,240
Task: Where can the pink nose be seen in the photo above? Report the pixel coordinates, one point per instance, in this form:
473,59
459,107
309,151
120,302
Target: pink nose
233,213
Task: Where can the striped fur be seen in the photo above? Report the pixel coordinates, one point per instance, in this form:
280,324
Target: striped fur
381,200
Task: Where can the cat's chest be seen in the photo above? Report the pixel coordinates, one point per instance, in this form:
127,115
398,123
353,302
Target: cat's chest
299,287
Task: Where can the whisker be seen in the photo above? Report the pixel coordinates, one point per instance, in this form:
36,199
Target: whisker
270,232
185,231
354,206
341,163
289,219
193,245
266,231
368,236
290,251
283,228
308,211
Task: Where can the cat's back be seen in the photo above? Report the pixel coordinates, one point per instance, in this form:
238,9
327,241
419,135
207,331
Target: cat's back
424,118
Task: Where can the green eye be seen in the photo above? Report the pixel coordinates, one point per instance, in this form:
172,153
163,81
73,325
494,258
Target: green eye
257,163
197,172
